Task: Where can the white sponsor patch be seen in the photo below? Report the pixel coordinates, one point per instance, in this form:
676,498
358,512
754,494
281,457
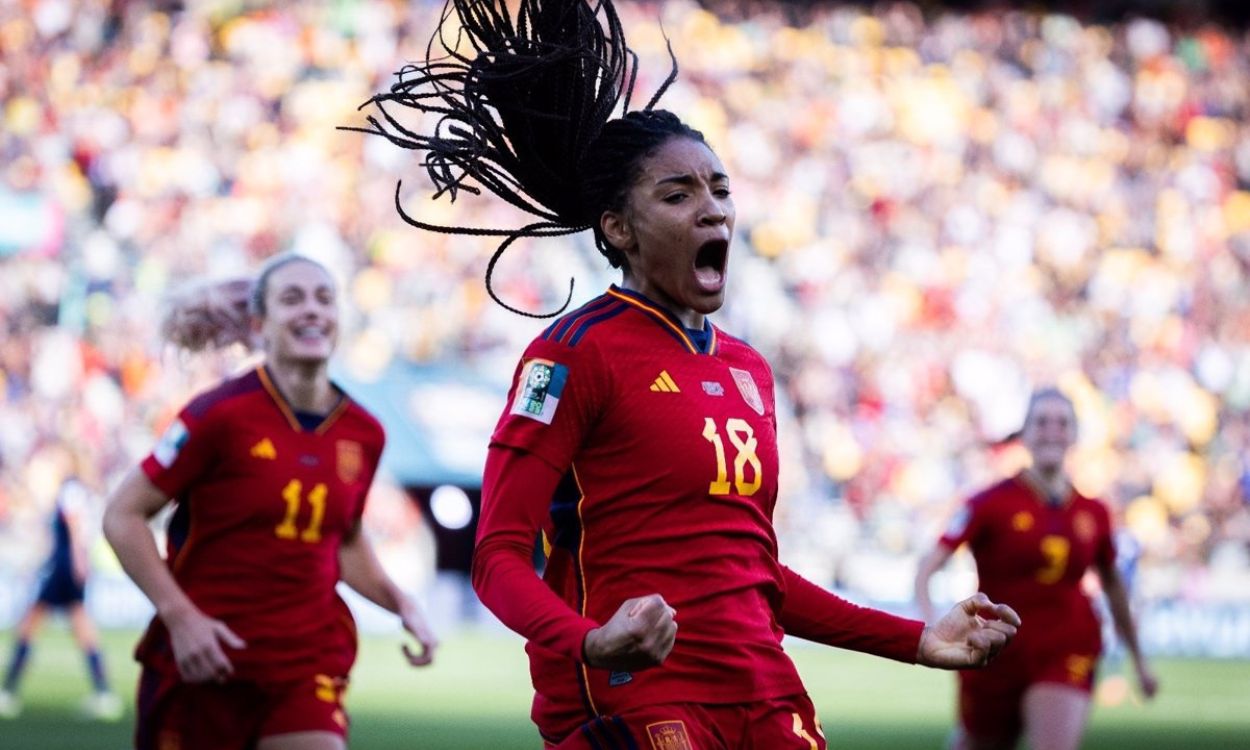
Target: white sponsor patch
171,443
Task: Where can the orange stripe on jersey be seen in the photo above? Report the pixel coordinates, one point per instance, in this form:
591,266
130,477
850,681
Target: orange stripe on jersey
660,316
581,579
333,416
276,395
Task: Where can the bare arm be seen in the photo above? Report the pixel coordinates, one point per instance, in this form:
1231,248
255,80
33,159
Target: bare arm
360,569
196,638
929,564
1122,616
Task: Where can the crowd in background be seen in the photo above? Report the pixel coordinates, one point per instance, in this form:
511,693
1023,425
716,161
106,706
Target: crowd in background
935,214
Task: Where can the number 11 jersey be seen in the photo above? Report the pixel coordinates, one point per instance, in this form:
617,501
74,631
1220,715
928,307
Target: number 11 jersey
263,503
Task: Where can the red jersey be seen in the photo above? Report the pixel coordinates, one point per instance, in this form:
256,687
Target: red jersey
262,507
1032,554
668,450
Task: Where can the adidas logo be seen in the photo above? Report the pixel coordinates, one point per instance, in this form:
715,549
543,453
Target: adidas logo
264,449
664,383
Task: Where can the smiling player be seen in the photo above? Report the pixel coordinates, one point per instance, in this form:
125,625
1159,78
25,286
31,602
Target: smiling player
251,645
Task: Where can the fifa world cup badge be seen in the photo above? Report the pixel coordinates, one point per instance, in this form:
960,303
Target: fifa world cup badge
538,390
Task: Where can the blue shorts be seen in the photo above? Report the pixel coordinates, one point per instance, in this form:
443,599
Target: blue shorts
60,589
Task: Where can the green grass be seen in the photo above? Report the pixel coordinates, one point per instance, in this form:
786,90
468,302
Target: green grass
477,696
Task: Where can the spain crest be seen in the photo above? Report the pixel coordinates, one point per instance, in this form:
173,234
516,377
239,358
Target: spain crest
1084,526
750,393
350,460
668,735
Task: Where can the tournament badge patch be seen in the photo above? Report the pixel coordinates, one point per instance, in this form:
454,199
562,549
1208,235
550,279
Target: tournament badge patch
166,451
668,735
746,386
350,460
538,390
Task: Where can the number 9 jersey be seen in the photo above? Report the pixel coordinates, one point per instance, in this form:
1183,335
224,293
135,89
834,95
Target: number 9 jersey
263,500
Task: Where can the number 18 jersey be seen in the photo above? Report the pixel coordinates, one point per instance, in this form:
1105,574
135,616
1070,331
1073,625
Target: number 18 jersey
668,448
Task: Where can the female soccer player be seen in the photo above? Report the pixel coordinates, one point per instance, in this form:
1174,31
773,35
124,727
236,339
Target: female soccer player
639,440
62,588
251,646
1033,537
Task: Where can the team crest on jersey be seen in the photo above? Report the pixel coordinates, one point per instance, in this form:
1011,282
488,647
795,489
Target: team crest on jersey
746,386
1084,526
166,451
538,390
668,735
351,460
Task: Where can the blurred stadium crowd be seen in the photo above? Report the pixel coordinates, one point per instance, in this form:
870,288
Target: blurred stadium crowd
934,215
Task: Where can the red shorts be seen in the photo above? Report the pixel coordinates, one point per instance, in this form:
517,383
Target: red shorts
174,715
788,723
991,699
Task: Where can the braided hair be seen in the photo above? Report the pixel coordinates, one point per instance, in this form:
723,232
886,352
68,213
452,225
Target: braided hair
528,116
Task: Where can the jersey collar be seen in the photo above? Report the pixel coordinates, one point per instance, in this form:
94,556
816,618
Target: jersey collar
280,401
1030,481
668,321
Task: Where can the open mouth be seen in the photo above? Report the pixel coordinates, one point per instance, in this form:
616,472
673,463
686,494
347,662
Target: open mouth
709,264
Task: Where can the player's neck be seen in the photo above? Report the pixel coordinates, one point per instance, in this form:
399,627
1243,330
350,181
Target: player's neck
1051,481
306,387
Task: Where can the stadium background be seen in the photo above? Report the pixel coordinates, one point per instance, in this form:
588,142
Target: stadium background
939,207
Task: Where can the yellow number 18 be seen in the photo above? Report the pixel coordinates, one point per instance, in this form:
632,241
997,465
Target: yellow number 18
742,435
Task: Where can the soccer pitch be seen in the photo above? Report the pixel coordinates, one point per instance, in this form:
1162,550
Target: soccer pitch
477,696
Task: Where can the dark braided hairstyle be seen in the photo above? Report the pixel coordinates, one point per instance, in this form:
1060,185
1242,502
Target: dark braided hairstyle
528,116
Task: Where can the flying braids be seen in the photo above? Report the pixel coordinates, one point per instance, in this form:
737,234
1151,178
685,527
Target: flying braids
528,116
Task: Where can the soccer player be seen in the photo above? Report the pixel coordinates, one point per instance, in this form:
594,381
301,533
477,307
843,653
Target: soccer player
62,587
639,440
251,645
1033,537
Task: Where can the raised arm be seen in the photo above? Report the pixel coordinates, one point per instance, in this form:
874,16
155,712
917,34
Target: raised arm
196,638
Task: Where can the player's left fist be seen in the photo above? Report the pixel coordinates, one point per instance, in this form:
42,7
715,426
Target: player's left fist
970,635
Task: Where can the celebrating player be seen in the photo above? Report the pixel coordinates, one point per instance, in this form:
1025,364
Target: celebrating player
639,440
1033,537
251,645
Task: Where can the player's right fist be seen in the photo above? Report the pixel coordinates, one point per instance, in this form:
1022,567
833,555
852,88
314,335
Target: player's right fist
640,635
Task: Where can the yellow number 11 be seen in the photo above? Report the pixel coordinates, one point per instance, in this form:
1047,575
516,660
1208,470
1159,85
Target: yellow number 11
316,498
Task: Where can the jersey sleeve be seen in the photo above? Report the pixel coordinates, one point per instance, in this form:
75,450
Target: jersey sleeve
516,490
183,454
814,614
965,525
555,399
